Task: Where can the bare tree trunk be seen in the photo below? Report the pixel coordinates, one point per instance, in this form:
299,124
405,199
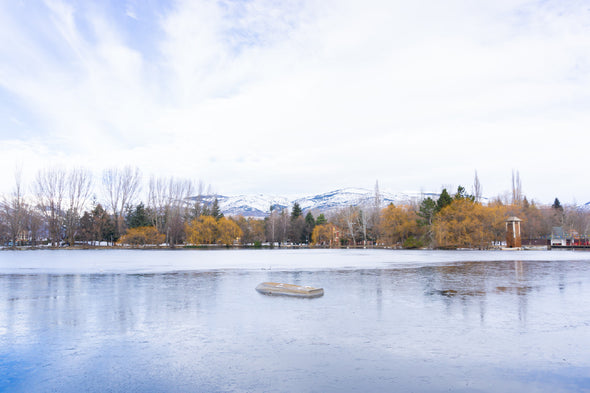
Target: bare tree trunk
271,226
178,210
516,189
157,201
364,223
477,190
121,187
350,218
50,188
170,206
15,210
376,213
79,188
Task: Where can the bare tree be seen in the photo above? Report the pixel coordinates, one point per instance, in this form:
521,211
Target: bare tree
271,225
14,210
516,189
477,190
157,201
79,188
121,188
34,224
576,219
50,189
376,212
364,222
350,215
170,206
284,222
178,210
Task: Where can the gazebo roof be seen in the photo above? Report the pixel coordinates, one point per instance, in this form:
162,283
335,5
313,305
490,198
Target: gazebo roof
513,218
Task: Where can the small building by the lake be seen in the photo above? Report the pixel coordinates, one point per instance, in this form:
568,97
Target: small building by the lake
559,237
513,237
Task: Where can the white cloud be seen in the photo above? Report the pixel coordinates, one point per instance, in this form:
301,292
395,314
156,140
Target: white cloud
298,97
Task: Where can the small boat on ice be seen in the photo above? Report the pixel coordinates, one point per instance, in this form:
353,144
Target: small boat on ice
275,288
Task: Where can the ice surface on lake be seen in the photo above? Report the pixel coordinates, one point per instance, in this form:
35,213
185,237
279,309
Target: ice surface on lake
191,321
161,261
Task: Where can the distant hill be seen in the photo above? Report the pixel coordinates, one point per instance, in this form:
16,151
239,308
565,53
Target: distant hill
258,205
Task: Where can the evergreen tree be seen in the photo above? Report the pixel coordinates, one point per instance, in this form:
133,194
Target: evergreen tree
296,212
558,213
98,226
557,205
138,217
309,220
215,211
321,220
309,226
443,200
462,194
427,211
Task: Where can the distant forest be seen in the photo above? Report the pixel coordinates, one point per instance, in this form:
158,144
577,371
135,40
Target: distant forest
61,209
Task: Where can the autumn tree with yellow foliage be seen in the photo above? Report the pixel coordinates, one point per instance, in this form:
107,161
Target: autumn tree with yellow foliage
398,224
467,224
228,232
325,235
202,230
207,230
142,236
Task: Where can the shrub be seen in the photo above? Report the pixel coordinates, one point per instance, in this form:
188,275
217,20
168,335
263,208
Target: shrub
142,236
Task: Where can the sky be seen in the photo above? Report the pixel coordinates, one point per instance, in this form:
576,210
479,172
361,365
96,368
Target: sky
302,97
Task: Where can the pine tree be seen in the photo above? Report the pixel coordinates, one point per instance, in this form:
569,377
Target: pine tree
309,226
443,200
462,194
557,205
427,211
296,212
215,211
138,217
321,220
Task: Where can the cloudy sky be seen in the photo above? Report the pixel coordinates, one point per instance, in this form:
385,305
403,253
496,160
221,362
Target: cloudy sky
301,97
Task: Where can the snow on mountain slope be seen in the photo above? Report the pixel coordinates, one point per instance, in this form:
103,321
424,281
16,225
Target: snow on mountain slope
258,205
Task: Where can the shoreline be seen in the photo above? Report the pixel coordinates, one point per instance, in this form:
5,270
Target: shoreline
286,247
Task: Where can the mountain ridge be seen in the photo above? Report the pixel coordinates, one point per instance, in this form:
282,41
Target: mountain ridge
259,205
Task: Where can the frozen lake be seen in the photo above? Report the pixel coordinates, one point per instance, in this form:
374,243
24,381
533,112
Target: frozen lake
191,321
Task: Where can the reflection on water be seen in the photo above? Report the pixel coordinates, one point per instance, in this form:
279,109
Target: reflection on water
468,326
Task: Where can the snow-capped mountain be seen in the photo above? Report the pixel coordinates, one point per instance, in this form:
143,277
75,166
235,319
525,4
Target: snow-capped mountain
356,197
258,205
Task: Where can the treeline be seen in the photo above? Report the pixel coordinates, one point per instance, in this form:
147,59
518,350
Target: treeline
61,208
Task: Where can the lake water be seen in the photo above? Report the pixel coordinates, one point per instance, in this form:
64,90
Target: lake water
191,321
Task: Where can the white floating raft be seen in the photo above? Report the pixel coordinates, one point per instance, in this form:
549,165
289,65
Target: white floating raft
275,288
